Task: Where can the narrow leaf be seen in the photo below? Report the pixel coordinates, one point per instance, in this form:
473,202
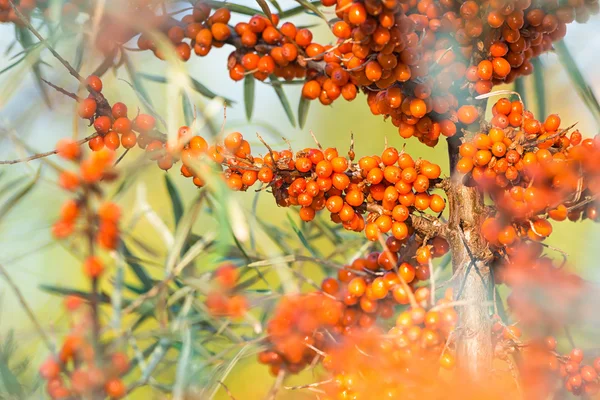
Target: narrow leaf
283,99
139,88
312,7
520,88
10,383
297,10
64,291
236,8
303,111
581,85
265,7
276,5
137,269
14,199
200,88
540,87
249,84
176,202
78,62
188,112
301,236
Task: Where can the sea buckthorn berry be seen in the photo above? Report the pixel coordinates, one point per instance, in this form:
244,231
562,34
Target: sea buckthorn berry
68,149
94,82
87,108
93,267
220,31
144,123
119,110
115,388
468,114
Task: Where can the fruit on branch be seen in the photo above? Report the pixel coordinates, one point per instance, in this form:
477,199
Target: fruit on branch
418,62
79,370
225,299
367,289
533,171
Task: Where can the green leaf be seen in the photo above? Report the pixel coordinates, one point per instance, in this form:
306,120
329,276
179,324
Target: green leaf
581,85
188,112
64,291
176,202
249,95
78,62
276,5
14,199
520,88
26,40
200,88
303,111
301,236
297,10
539,85
236,8
283,99
265,7
10,382
137,268
312,7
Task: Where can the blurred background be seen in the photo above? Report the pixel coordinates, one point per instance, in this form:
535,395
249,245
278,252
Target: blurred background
32,257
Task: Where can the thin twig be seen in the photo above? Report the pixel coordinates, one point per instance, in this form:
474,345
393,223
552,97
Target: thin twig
46,154
64,62
27,309
61,90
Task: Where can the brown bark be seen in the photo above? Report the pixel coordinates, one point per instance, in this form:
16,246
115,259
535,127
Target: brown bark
470,262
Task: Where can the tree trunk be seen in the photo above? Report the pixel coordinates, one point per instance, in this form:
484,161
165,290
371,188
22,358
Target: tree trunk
472,286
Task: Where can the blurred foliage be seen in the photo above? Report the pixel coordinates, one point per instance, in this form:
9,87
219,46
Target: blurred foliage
170,227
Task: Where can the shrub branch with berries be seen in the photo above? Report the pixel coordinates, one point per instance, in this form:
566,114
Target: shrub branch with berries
379,324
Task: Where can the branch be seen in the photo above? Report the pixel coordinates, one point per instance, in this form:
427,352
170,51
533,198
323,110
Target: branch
46,154
27,309
64,62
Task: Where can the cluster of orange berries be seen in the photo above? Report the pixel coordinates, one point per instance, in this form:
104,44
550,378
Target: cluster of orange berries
369,288
113,127
26,7
389,187
400,360
532,170
418,61
354,352
222,300
542,364
262,49
76,371
92,170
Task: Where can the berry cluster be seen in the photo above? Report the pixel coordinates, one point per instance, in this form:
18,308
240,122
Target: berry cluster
533,170
542,365
316,328
392,188
368,288
389,188
399,360
78,371
83,368
222,300
26,7
419,61
105,218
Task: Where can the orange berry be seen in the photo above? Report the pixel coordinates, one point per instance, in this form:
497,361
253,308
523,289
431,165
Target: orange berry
68,149
115,388
94,82
86,109
93,267
468,114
